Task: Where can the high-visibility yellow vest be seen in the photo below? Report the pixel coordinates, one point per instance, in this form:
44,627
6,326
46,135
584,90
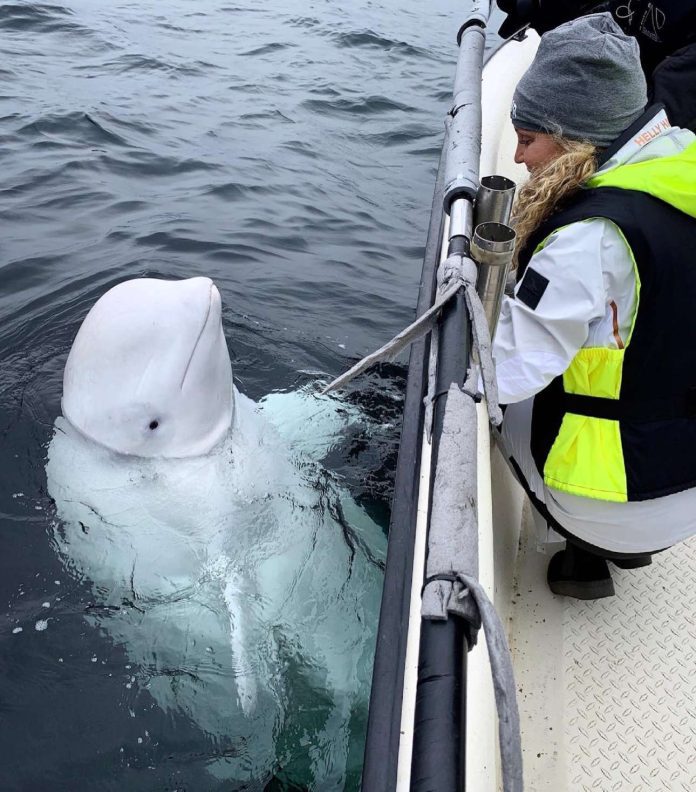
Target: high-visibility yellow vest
620,424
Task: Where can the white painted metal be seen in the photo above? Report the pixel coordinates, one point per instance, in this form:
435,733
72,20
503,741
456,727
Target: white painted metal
481,729
408,706
608,687
408,702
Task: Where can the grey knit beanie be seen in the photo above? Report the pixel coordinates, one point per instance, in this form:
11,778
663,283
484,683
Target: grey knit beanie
585,83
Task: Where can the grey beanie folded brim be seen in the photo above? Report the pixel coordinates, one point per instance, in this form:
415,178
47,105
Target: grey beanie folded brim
585,83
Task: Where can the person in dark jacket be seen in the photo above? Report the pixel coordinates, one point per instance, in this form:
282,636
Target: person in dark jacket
666,35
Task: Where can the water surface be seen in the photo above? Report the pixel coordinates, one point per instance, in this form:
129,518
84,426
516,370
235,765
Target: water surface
288,151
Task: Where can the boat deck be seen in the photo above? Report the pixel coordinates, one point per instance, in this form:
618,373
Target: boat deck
607,688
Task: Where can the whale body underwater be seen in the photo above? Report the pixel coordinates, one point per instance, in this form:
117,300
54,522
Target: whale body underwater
229,565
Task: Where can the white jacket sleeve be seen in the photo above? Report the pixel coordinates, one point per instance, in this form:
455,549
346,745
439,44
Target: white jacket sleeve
562,294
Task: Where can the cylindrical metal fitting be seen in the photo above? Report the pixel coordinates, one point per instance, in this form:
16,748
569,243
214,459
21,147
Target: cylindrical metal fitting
492,247
494,200
461,218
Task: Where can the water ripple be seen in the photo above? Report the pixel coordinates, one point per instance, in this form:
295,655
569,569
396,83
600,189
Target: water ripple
235,191
69,126
370,105
37,18
136,62
267,49
147,163
371,40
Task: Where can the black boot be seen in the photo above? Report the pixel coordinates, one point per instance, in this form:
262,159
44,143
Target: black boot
576,573
633,563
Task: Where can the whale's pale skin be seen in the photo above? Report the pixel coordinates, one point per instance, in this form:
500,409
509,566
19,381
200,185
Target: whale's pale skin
149,373
225,553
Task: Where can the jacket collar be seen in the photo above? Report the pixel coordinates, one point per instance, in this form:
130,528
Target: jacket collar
652,123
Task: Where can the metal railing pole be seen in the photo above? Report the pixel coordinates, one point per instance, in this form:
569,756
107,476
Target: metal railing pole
438,761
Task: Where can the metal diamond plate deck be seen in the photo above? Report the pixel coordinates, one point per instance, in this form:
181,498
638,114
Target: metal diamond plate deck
607,688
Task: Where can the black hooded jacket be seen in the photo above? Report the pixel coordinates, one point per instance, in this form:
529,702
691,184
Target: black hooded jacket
665,31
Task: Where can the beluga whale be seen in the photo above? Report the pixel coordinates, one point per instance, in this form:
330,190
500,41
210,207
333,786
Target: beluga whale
240,578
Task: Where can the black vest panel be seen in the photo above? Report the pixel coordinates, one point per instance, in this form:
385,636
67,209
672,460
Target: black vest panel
656,408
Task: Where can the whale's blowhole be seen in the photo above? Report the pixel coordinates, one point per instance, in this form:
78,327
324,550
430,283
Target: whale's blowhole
154,424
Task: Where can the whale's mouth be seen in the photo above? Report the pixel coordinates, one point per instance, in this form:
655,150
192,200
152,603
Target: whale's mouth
212,314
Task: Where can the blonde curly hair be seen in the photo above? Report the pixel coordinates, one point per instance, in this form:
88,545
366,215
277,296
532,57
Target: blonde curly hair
550,187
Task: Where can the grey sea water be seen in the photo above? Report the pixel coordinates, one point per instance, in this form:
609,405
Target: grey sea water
285,149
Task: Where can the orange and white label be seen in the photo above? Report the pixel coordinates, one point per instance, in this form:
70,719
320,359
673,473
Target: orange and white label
650,134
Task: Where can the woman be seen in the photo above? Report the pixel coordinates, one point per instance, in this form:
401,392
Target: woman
596,352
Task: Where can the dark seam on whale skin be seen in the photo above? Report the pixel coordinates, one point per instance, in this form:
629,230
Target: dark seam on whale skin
93,510
200,333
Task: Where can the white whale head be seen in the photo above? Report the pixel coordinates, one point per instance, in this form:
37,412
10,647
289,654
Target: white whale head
149,373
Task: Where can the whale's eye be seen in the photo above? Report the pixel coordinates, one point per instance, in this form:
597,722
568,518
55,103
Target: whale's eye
154,425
